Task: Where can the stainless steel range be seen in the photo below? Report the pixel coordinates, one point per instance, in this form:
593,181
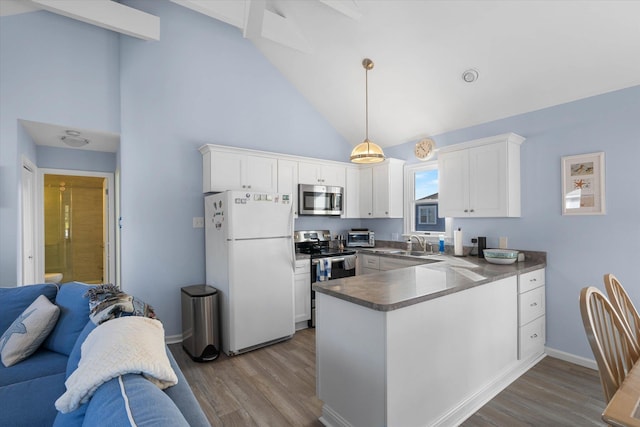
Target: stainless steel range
339,262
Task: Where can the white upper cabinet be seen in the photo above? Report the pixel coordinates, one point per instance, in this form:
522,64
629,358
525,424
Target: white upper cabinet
387,189
321,174
370,191
381,190
480,178
366,192
351,193
288,181
236,170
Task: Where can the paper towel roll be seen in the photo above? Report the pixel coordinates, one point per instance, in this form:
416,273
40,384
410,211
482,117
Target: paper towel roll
457,242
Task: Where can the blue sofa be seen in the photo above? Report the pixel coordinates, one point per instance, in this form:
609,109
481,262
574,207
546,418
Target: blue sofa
29,389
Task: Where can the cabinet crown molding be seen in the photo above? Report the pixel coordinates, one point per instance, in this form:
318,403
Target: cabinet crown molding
505,137
210,148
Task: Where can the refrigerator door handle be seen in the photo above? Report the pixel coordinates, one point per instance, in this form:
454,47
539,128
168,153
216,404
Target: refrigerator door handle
293,245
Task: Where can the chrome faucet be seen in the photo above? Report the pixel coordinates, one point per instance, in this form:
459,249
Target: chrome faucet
421,240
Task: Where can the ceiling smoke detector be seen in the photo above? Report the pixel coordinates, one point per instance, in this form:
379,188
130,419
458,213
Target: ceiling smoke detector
470,75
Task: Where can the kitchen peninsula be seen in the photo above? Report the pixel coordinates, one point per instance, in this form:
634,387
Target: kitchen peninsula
426,345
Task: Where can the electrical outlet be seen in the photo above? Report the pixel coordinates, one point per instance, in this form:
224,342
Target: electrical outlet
198,222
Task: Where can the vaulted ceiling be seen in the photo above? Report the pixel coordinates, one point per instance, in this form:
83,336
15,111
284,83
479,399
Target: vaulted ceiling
528,55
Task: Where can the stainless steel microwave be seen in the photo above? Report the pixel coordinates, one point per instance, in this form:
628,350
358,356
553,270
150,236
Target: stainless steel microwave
319,200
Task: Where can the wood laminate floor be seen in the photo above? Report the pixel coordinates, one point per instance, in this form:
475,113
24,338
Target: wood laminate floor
275,386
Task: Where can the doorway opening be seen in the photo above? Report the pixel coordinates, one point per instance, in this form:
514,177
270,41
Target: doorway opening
77,227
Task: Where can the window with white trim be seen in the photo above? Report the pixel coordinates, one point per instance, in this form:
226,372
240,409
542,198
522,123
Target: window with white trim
421,200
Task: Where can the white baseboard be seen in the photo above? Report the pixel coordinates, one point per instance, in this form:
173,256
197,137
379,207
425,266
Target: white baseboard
572,358
473,403
331,418
302,325
173,339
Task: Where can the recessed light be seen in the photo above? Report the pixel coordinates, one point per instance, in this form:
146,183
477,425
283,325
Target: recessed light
72,132
470,75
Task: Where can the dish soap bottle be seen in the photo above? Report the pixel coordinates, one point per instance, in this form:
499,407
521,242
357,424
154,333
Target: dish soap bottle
441,244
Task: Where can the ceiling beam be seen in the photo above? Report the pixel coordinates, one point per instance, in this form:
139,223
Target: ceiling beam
107,14
254,18
228,11
348,8
283,31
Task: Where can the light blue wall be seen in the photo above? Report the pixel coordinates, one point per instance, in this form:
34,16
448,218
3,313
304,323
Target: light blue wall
53,70
201,83
580,249
84,160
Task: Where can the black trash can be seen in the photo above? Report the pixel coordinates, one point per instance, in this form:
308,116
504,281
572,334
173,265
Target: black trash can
200,322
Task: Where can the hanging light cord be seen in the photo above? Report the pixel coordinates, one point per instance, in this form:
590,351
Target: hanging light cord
366,97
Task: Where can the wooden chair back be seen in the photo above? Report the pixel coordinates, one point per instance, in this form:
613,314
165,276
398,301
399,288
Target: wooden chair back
624,306
613,348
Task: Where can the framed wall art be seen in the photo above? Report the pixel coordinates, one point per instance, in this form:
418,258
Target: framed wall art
583,191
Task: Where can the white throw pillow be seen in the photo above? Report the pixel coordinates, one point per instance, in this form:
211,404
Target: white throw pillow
28,331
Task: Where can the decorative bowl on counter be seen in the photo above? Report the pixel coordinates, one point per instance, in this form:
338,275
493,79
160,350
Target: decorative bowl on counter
500,256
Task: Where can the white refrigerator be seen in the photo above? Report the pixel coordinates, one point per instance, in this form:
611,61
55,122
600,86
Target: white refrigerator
250,259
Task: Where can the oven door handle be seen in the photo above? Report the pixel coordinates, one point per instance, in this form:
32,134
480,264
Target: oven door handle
332,259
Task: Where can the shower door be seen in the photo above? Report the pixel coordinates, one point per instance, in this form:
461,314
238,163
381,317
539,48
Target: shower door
76,227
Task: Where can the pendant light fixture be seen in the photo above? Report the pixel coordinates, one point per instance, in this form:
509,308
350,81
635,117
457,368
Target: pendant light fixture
367,151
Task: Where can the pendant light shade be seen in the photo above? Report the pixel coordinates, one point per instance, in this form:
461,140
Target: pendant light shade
367,151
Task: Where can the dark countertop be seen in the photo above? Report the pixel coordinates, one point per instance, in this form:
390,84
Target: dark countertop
394,289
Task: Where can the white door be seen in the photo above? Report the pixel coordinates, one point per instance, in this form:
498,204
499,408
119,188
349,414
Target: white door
488,186
262,174
106,230
288,181
453,196
28,224
366,193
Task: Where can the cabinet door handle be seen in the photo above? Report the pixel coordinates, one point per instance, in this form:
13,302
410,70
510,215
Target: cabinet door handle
533,280
466,210
533,304
534,336
248,186
472,210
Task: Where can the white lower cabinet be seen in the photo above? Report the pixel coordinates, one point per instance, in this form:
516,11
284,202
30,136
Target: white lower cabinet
531,313
302,293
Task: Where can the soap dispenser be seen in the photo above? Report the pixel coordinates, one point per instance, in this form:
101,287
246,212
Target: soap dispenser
441,241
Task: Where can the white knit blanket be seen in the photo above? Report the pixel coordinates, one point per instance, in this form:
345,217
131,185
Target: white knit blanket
119,346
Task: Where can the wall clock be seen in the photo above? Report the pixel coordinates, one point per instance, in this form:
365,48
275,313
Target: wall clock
424,149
